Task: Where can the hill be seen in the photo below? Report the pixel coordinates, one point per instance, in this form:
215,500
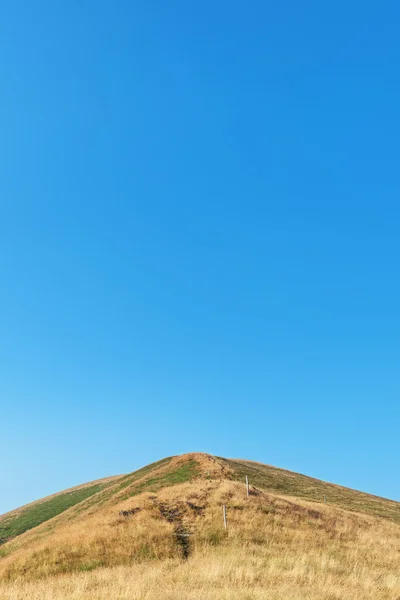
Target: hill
294,535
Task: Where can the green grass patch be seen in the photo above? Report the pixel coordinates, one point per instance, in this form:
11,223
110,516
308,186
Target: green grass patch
132,477
186,472
32,516
122,483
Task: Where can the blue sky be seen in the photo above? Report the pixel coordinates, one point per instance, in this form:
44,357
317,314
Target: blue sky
199,238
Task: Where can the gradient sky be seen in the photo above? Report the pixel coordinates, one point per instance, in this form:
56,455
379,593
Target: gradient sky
199,238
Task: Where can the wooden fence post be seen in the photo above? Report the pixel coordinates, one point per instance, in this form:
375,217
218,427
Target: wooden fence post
225,519
247,485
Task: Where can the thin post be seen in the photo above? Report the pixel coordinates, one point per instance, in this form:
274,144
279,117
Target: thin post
225,519
324,499
247,485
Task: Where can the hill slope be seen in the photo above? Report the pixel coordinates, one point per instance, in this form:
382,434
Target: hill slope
280,481
164,523
22,519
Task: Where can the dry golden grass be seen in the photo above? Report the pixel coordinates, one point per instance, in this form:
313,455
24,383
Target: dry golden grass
276,547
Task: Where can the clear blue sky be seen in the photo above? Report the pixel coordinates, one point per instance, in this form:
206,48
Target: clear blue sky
199,238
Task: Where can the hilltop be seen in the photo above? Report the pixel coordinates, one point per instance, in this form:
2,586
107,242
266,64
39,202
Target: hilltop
294,535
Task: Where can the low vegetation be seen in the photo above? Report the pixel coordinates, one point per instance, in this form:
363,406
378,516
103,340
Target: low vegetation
287,483
162,537
27,518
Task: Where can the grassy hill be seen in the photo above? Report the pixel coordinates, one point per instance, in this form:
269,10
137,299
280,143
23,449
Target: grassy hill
295,536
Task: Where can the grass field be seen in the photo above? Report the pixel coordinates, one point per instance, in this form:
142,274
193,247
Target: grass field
170,542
